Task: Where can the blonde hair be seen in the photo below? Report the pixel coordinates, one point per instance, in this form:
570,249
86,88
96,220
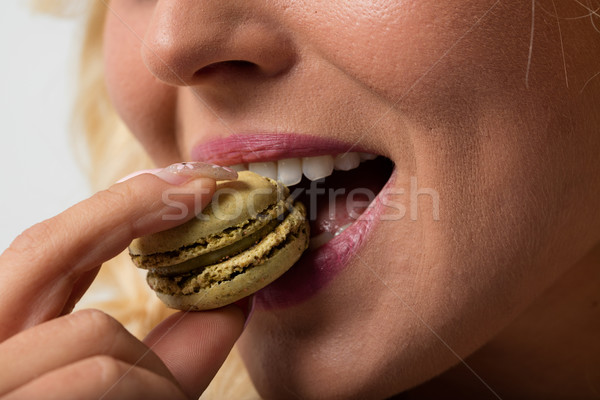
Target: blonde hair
120,289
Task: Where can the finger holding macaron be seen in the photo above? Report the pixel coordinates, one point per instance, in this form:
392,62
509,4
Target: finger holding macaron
250,234
49,267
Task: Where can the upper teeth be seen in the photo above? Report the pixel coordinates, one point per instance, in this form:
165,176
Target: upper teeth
317,167
290,170
347,161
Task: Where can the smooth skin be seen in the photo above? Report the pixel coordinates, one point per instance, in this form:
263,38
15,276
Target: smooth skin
495,110
490,104
48,352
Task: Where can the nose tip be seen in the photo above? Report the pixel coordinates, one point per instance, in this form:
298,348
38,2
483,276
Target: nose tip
186,44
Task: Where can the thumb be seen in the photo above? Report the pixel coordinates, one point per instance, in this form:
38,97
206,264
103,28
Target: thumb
194,345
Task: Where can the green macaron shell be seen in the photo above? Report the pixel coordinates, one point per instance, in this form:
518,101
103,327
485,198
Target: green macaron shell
218,255
237,277
226,220
250,234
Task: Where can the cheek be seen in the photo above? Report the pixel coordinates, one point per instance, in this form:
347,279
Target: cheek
411,52
145,104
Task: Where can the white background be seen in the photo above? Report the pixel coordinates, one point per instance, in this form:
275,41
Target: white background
40,175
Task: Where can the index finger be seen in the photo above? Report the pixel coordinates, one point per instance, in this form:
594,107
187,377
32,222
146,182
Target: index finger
41,267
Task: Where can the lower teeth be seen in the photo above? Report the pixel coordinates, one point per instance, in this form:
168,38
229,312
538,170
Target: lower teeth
320,240
342,229
335,203
325,237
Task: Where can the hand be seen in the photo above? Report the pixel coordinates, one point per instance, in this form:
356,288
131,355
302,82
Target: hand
48,353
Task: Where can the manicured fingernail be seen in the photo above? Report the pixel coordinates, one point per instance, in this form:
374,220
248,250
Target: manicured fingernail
179,173
140,172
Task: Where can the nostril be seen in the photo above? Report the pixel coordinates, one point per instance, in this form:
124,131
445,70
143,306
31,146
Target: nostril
230,67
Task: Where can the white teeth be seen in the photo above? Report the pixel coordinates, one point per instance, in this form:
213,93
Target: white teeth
367,156
289,171
320,240
268,169
325,237
346,161
239,167
342,229
317,167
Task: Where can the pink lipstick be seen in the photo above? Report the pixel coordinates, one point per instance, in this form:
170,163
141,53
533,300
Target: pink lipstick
343,212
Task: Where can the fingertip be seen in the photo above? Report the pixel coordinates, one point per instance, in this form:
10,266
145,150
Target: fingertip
228,320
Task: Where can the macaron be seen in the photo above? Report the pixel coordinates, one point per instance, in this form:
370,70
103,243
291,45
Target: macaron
248,236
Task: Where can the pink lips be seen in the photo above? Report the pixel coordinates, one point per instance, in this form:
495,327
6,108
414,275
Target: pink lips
238,149
316,268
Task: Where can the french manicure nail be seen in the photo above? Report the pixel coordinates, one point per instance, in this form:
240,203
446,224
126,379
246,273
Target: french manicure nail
179,173
140,172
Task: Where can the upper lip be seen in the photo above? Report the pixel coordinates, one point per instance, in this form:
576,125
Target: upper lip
248,148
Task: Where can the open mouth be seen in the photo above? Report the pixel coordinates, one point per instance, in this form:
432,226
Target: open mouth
336,189
341,190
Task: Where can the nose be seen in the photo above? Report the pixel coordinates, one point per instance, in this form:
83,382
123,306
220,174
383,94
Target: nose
187,41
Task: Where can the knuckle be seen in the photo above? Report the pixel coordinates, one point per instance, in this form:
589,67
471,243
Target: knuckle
116,198
27,244
106,369
95,324
108,372
115,195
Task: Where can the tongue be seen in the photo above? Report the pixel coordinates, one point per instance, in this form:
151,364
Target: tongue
343,196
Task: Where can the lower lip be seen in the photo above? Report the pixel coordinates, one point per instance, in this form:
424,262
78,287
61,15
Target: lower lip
317,268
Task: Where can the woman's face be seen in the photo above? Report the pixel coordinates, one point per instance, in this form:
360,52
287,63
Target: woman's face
485,113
